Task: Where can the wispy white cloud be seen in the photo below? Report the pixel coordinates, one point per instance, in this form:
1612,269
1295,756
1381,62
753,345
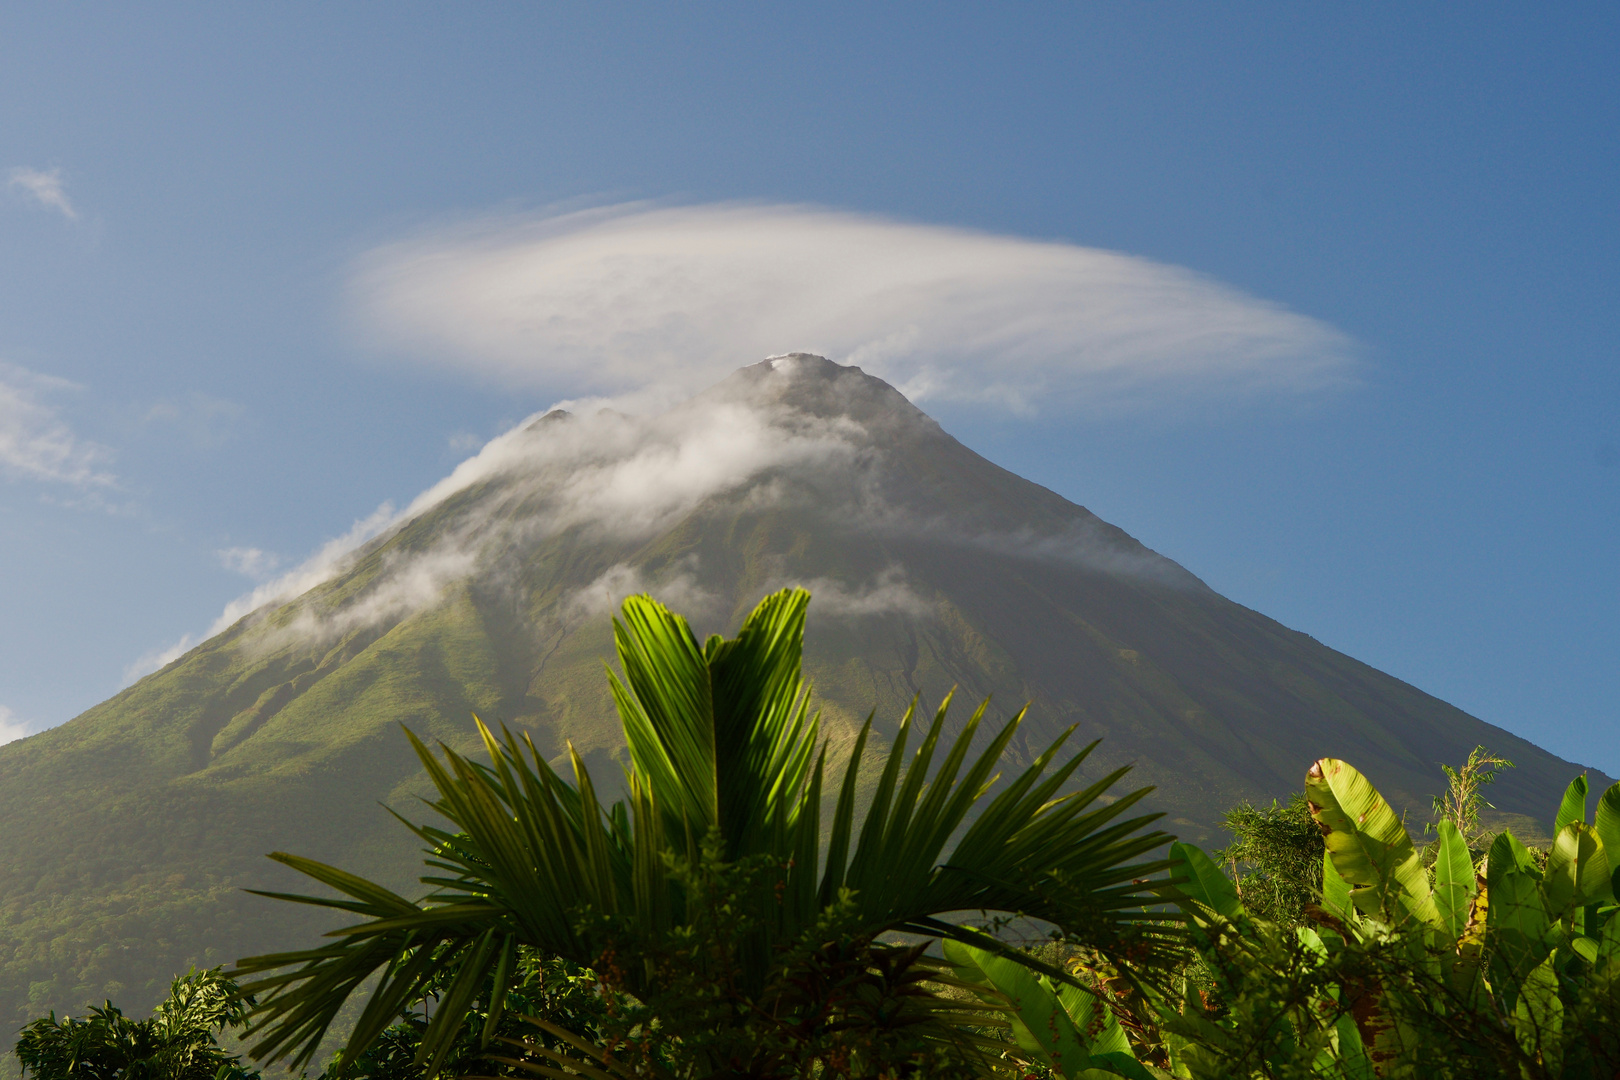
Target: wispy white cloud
252,562
618,480
331,557
209,421
35,442
625,297
408,582
159,658
44,186
613,476
887,594
318,568
12,728
632,476
609,474
677,589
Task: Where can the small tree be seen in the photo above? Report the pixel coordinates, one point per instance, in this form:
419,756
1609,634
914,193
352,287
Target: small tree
1276,860
1465,794
177,1042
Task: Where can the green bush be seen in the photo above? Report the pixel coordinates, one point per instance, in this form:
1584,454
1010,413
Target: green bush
177,1042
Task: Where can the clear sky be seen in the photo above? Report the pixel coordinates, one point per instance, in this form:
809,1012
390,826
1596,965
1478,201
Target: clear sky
222,340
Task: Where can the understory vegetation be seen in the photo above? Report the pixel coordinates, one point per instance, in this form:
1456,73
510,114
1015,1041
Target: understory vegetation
760,906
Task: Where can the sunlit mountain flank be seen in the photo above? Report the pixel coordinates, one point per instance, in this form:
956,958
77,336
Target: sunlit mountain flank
131,829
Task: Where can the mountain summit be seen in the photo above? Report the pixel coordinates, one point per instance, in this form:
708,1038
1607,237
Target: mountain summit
131,828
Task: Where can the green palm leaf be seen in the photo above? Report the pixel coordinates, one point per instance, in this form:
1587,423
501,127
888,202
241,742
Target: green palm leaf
723,747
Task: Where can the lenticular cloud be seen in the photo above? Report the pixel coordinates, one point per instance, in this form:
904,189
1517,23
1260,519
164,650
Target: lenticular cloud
623,298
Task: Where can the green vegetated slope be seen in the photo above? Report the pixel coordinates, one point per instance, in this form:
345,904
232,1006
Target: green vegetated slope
132,829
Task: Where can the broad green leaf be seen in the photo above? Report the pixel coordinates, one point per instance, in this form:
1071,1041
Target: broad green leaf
1520,932
1336,892
1466,972
1507,854
1353,1059
1116,1063
1609,943
1577,872
1453,880
1573,807
1055,1023
1041,1025
1538,1018
1607,823
1206,882
1369,846
1098,1026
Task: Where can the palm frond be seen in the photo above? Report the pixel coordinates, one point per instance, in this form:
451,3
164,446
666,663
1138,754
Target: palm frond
724,748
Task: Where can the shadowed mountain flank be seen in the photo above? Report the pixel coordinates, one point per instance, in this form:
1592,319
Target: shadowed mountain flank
131,828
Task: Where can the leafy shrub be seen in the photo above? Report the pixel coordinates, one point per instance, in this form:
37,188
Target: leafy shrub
177,1042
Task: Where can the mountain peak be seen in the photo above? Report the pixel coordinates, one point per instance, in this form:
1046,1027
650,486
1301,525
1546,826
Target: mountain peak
808,383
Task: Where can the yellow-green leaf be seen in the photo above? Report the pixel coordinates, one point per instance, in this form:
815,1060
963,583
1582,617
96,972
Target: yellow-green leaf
1369,846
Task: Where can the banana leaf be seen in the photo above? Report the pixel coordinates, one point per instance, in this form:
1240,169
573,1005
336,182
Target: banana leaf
1519,931
1063,1028
1538,1018
1369,846
1336,893
1607,823
1577,872
1205,882
1453,880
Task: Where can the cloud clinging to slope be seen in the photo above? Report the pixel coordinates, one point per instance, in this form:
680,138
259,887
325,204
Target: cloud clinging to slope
626,297
11,728
618,480
611,475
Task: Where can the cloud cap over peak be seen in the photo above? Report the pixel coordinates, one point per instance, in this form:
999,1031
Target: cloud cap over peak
627,297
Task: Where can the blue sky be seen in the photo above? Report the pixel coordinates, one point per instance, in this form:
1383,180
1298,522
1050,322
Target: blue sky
1420,465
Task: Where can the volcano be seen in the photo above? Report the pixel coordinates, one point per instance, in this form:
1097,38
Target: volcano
131,829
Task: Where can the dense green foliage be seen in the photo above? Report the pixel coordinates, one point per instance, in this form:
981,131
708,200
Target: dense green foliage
560,993
179,1041
712,896
1275,858
1504,966
1507,968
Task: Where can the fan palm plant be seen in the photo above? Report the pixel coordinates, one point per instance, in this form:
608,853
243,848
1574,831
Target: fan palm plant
727,770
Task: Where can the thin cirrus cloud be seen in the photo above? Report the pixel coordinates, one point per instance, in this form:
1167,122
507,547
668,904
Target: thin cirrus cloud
44,186
35,442
625,298
252,562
